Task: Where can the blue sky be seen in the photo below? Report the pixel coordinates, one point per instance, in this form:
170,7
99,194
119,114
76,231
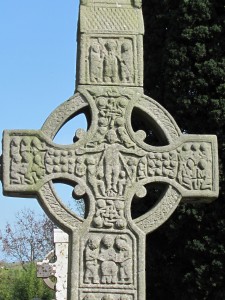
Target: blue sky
37,70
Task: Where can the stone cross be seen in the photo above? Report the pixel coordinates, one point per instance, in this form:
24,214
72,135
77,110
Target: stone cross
56,264
110,164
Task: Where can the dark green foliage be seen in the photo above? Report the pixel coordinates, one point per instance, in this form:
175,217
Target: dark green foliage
18,284
185,72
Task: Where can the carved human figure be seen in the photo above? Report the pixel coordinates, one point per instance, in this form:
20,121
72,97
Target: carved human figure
100,209
102,105
91,261
112,111
122,133
99,137
100,182
122,183
189,174
110,63
132,167
91,174
16,177
142,168
204,175
111,161
204,171
124,258
121,222
111,214
151,164
80,167
107,256
126,62
95,62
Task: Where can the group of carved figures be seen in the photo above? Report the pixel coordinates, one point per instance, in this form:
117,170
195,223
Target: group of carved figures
109,214
111,61
195,166
111,122
111,167
27,160
107,297
108,261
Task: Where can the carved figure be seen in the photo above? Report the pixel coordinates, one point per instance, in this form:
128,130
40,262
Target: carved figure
122,182
100,210
112,162
16,176
101,183
80,167
204,175
126,62
125,259
110,63
142,168
91,174
107,256
91,261
109,213
132,167
122,133
95,62
99,137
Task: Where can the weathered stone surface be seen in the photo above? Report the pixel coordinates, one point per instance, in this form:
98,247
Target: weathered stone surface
110,164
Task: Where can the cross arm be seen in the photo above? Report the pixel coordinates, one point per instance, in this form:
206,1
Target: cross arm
30,159
190,165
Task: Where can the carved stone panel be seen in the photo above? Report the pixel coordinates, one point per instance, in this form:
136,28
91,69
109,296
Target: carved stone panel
110,61
109,261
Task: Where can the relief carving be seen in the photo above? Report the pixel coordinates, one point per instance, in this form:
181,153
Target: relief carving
112,166
111,61
91,261
195,166
108,261
109,214
27,160
107,257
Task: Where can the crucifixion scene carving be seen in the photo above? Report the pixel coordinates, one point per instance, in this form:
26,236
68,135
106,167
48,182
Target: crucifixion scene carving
110,164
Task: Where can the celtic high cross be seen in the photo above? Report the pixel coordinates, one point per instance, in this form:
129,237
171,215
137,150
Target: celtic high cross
110,164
